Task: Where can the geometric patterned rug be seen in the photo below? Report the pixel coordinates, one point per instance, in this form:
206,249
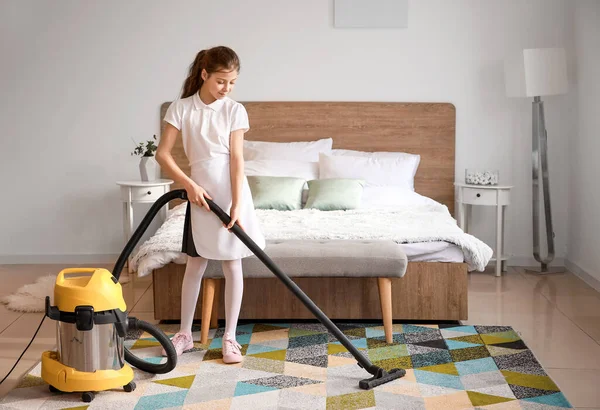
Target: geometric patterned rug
302,366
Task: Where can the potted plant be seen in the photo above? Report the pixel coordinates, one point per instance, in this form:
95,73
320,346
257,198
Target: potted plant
148,164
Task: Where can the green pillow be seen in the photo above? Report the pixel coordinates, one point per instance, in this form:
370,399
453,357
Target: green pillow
333,194
281,193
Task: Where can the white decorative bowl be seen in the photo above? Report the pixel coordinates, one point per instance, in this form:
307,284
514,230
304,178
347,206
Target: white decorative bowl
482,176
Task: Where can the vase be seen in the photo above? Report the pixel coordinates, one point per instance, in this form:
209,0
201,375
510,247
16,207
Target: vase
148,167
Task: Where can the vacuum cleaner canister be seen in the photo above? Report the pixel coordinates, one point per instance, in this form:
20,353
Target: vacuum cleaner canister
91,325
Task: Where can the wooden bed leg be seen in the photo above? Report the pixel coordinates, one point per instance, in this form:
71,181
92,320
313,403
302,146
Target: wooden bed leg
385,298
208,295
214,316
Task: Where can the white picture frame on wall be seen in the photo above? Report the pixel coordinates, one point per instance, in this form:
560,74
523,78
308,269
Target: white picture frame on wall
370,13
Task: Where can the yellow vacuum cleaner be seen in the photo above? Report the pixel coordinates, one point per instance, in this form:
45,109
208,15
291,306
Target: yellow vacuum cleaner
92,323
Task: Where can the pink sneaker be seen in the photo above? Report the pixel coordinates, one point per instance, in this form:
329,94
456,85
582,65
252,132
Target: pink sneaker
182,342
231,350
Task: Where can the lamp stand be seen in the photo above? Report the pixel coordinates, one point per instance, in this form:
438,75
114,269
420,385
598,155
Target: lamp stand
541,189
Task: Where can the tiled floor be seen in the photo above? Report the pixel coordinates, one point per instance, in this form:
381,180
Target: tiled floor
558,316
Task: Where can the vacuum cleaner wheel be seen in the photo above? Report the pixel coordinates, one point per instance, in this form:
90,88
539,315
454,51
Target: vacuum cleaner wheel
88,396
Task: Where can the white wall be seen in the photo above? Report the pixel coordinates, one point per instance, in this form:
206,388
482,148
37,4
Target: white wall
584,193
80,79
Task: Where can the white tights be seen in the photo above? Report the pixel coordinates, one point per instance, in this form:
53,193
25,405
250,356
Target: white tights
234,289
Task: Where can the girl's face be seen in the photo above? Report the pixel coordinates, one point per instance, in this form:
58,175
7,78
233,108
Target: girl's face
219,84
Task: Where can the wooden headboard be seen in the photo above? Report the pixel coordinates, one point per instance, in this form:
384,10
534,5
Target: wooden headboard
427,129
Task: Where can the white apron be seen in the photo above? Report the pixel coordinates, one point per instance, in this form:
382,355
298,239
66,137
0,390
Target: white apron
211,239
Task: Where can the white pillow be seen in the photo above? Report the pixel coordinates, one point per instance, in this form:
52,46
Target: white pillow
379,154
398,171
392,196
294,151
282,168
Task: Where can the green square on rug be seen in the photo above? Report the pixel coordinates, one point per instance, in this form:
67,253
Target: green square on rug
302,366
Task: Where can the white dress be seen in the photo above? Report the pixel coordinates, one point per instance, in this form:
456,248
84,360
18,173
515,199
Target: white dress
206,130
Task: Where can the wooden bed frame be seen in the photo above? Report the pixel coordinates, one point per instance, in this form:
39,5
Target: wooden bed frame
434,291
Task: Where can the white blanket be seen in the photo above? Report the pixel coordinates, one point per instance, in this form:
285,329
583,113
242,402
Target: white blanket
425,222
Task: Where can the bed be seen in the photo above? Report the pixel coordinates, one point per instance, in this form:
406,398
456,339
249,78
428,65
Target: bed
434,287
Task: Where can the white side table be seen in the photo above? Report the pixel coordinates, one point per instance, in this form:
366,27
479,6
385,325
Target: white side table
140,192
487,195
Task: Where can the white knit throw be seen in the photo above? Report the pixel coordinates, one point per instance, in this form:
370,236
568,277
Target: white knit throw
410,224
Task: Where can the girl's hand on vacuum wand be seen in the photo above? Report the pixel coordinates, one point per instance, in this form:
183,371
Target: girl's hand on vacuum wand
234,214
196,194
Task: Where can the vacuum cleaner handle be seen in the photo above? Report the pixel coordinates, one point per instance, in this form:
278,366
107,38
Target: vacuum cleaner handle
380,376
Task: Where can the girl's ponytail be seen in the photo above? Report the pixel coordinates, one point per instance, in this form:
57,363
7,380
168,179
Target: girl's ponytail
194,80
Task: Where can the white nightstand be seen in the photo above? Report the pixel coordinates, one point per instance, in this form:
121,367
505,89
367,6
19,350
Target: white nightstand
487,195
140,192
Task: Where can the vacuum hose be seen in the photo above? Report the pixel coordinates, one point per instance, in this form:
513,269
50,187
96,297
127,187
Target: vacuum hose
137,234
134,323
161,368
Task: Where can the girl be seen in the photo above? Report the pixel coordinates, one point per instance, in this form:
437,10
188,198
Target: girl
212,127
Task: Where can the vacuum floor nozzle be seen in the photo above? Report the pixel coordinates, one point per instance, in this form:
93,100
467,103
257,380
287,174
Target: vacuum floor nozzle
381,377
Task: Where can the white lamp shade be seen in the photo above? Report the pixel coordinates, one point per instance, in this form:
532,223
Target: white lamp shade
536,72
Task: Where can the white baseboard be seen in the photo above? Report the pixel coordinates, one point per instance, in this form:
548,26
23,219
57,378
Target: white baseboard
58,259
583,275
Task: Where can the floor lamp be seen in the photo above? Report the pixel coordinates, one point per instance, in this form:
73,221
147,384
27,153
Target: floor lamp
535,73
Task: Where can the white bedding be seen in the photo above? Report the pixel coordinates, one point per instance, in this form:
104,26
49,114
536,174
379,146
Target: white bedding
433,252
420,220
